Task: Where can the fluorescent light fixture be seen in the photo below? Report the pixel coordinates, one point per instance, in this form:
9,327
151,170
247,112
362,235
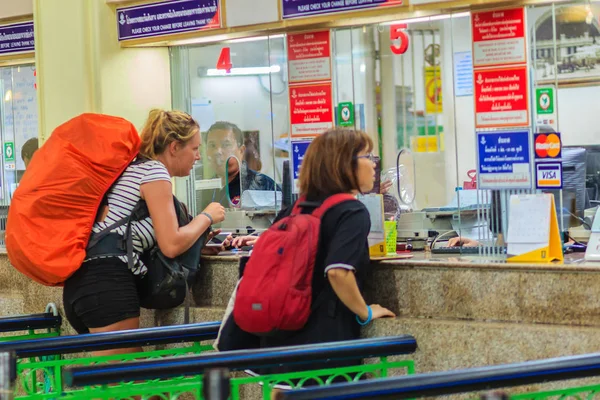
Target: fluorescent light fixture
254,39
8,96
428,19
244,71
219,39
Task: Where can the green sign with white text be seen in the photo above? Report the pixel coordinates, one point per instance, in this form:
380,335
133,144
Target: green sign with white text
345,114
544,100
9,152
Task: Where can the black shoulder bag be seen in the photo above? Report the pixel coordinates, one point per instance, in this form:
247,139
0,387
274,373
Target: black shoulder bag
166,283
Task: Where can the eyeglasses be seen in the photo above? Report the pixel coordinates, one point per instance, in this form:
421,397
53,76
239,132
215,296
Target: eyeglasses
369,157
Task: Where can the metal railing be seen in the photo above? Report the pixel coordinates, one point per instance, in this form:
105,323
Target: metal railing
49,321
466,380
175,377
7,375
40,363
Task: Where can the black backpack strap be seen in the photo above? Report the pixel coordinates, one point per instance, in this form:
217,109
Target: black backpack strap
110,244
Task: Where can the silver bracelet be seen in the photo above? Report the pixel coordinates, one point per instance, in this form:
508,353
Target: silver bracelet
207,216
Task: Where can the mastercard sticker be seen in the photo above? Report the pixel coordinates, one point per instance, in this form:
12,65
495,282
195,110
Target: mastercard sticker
547,145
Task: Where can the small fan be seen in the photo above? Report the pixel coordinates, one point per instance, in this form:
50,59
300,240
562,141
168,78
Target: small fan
406,175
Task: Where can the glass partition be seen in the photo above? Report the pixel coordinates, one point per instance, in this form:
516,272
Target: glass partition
237,91
410,86
18,130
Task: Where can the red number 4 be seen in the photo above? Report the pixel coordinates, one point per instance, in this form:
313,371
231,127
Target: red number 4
397,32
224,61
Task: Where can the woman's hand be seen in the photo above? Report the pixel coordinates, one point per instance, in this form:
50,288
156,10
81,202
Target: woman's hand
213,251
381,312
385,186
242,241
216,211
461,241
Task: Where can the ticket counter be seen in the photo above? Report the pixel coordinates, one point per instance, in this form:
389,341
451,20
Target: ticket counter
419,86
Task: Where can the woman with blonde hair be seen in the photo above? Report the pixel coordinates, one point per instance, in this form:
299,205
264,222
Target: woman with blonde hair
102,295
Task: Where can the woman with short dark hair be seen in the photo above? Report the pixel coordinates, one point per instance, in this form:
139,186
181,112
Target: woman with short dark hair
338,161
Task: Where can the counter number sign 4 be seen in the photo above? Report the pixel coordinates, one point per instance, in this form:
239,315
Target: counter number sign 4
224,61
398,32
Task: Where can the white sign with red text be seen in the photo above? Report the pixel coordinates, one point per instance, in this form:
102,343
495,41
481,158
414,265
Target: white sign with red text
309,56
499,37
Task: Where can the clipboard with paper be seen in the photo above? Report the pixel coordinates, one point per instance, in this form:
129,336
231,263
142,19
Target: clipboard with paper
533,233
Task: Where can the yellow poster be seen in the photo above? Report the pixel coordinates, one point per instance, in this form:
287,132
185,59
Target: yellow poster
433,90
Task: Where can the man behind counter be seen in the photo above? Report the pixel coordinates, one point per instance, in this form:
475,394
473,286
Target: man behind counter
224,140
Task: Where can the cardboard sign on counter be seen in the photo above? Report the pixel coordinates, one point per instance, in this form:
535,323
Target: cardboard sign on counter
533,233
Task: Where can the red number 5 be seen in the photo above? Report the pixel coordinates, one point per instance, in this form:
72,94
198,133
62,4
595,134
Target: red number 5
397,32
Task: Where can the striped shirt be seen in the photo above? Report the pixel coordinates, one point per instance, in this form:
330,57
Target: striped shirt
123,197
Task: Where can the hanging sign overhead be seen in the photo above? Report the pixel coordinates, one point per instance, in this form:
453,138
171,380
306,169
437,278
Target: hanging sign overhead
311,109
298,151
501,97
167,17
499,37
16,38
309,56
305,8
503,159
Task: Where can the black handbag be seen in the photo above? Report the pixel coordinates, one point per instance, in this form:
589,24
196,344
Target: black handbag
167,280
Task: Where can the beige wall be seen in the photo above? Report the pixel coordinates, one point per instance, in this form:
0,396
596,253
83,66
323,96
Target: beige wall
15,8
82,67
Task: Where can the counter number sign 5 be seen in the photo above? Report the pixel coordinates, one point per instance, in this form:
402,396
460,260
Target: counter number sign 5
224,61
398,32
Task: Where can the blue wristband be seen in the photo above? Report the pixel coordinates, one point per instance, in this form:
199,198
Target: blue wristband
207,215
369,317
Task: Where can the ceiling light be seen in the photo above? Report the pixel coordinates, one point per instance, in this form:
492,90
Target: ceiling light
244,71
428,19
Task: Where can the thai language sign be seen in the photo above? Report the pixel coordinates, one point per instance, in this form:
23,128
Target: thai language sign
501,98
311,109
309,56
498,37
304,8
16,38
503,160
167,17
298,151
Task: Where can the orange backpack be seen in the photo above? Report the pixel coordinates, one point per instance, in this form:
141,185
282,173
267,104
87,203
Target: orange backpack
52,212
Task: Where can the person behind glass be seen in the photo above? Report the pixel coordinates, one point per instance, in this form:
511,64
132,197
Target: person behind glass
338,161
28,149
101,296
224,140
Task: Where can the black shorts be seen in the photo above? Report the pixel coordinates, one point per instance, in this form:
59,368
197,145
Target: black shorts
100,293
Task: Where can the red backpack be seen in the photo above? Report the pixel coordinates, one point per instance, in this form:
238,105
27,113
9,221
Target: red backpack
275,292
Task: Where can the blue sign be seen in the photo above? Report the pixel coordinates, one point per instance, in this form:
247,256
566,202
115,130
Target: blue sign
463,74
167,17
298,151
304,8
548,175
503,160
17,38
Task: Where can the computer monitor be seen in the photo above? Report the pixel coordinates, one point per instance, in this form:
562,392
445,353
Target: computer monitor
592,180
574,196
